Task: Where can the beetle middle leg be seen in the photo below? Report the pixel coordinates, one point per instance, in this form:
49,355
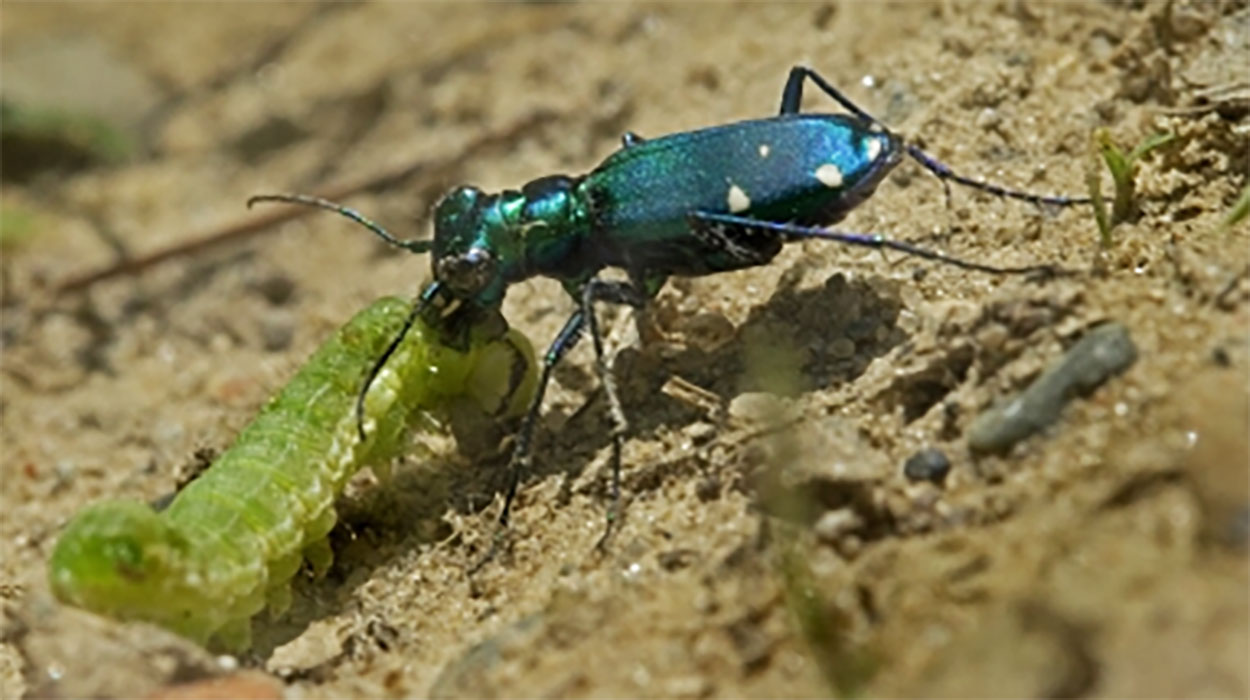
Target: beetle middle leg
594,290
612,292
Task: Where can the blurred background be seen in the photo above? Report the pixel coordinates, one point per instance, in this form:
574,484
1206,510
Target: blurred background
773,543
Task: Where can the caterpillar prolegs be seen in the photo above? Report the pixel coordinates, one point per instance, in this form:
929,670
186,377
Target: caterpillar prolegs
230,542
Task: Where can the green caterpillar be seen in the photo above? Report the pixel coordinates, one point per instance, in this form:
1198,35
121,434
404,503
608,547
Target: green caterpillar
230,542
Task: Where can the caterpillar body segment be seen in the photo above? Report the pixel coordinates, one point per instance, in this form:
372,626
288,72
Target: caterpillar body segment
230,542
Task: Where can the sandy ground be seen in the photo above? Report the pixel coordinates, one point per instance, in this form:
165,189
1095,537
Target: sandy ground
771,544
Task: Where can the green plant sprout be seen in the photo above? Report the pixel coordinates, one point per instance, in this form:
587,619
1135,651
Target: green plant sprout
1240,210
1123,168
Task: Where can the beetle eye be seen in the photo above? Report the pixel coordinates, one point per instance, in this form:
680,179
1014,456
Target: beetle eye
467,273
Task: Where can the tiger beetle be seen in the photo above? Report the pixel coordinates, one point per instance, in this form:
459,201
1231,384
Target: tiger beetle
688,204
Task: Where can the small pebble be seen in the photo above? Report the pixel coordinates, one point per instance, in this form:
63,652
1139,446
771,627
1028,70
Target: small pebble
836,524
929,464
276,331
1221,357
226,662
700,432
759,406
1104,352
842,349
708,489
277,288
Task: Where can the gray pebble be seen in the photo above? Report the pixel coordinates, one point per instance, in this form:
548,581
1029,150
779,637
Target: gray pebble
1104,352
929,464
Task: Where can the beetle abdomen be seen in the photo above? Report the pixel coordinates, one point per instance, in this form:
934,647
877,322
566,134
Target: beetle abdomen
805,168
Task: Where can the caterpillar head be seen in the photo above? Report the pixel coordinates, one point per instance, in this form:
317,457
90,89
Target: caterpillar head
119,558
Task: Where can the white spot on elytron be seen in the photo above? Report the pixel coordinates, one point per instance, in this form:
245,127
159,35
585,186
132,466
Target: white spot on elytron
872,147
764,150
737,199
829,175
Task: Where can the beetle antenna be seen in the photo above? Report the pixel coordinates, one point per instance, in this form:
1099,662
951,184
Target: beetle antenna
419,246
945,174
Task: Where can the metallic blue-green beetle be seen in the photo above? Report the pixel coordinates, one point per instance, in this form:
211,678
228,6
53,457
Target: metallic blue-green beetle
689,204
